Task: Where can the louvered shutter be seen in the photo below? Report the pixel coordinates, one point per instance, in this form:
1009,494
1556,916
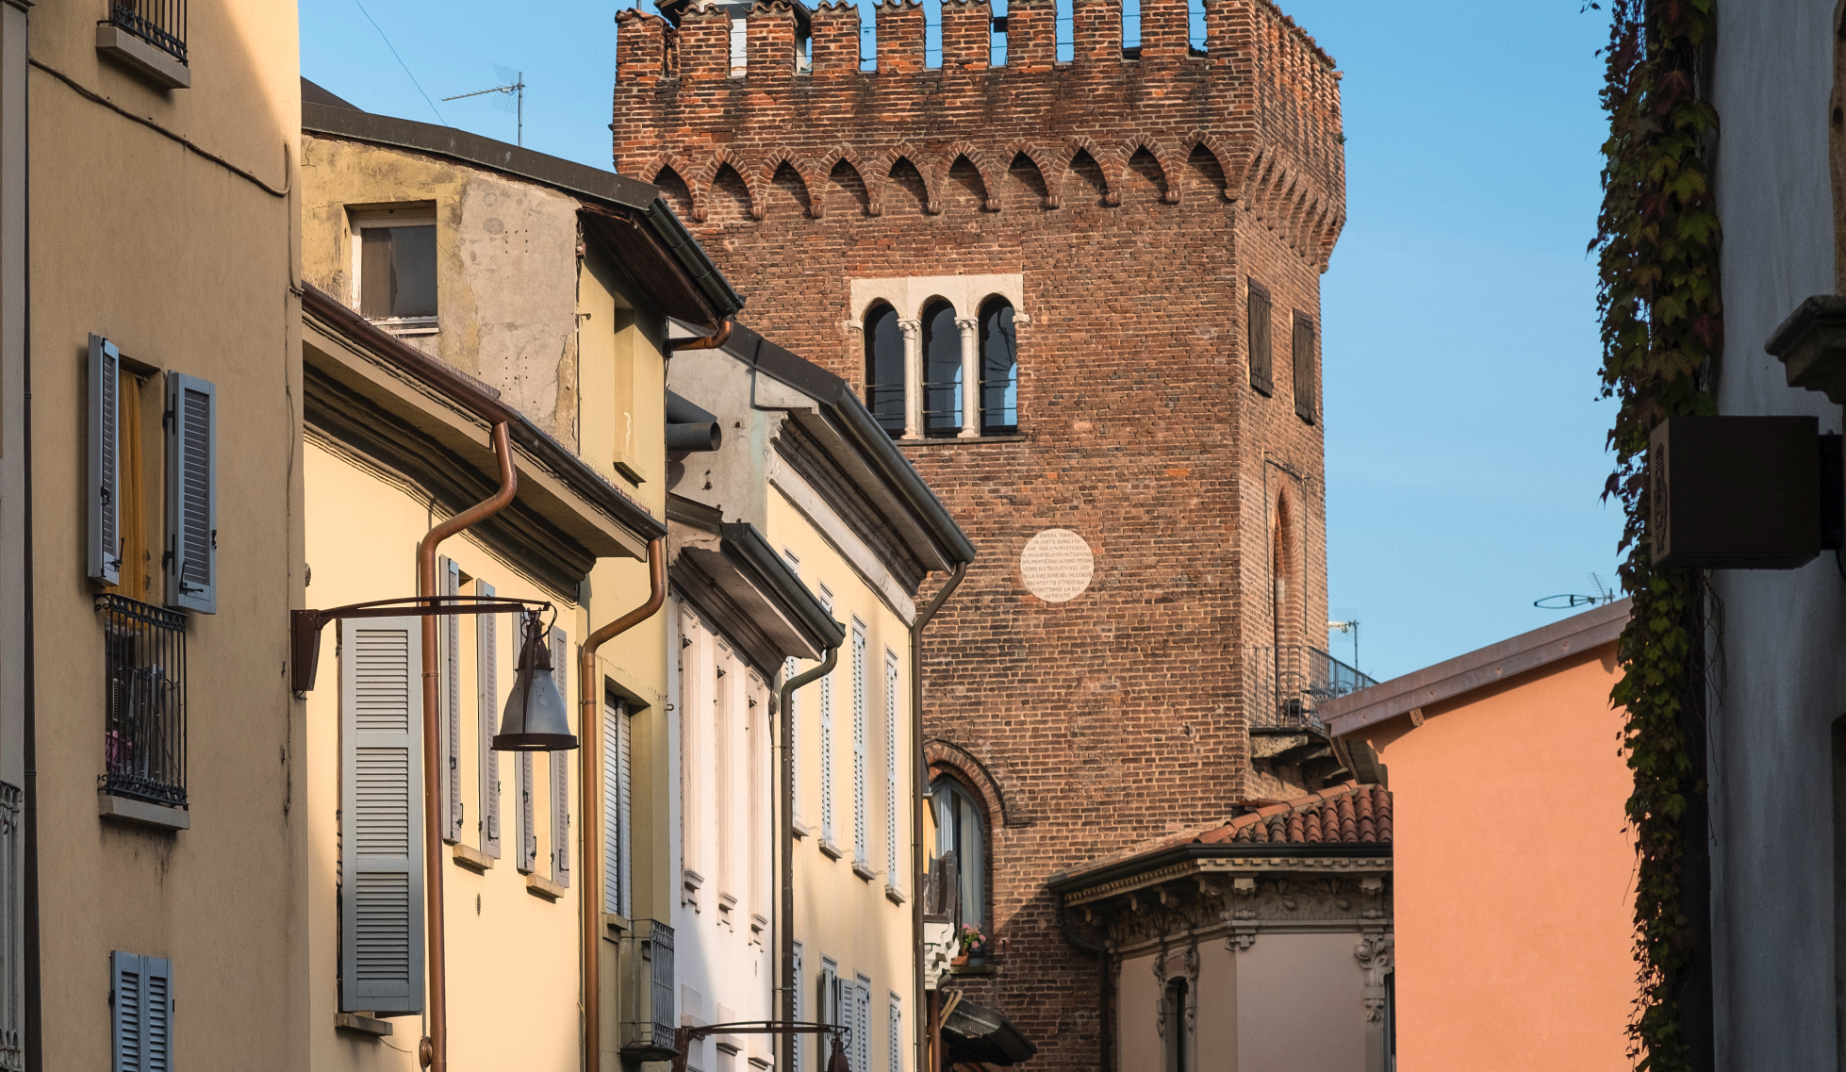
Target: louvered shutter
1304,367
894,1058
191,555
448,691
105,450
1257,314
140,1013
859,757
891,754
381,792
487,682
528,832
801,1007
826,739
618,774
862,1023
560,768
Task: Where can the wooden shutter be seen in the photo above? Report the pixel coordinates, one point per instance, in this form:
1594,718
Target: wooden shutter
381,793
448,693
1257,315
141,1013
891,754
859,757
105,492
560,768
1304,367
191,555
528,833
487,687
801,1008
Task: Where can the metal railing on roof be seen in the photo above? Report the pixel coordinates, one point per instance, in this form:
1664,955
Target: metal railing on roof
1289,683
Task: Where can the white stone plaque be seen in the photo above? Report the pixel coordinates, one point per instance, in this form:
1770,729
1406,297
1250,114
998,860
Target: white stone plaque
1056,565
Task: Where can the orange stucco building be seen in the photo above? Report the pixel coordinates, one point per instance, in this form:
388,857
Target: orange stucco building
1512,858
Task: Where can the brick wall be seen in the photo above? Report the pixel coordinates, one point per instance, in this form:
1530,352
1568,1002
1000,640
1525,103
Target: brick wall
1135,196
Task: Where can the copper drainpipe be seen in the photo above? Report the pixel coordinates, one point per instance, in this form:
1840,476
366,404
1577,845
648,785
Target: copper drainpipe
589,720
785,937
928,1028
433,1051
704,342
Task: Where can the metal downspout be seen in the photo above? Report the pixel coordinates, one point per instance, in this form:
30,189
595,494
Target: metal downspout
704,342
589,720
433,1051
785,941
926,1055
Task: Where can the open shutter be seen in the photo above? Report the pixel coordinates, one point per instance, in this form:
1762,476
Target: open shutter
157,1014
862,1022
191,556
560,768
528,833
448,692
1257,315
487,681
826,741
128,1035
616,774
1304,367
381,791
859,757
895,1053
104,492
891,754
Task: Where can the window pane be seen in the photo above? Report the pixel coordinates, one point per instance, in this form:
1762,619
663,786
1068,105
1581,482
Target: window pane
375,272
941,370
413,271
973,856
884,369
999,368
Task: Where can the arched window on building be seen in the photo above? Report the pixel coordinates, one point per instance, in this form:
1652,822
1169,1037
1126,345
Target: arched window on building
961,828
942,394
1173,1024
999,369
884,368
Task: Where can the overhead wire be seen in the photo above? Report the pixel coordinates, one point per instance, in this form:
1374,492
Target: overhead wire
400,61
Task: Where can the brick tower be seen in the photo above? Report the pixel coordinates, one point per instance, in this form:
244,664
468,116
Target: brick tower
1143,231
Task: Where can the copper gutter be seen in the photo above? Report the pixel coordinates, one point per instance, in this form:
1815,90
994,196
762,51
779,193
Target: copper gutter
589,719
785,941
433,1051
928,1028
704,342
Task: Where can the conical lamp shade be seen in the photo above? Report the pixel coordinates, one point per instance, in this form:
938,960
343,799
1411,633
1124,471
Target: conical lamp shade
535,719
837,1061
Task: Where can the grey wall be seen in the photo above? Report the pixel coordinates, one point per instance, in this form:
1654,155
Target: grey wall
1778,650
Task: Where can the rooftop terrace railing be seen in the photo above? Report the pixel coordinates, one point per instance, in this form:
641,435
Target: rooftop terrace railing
1289,683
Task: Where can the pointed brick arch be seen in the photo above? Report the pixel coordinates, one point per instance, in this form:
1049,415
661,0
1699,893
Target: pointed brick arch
738,162
932,181
1050,169
681,167
823,171
1107,163
982,163
1163,155
1200,140
766,176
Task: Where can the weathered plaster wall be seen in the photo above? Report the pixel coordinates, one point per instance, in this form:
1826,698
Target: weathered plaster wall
1782,681
506,288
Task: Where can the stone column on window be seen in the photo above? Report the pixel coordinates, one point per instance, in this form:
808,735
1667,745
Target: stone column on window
913,377
970,376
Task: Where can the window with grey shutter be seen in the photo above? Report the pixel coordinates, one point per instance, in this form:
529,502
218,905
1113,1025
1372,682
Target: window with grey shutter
894,1057
618,789
862,1023
140,1013
859,757
448,692
891,753
801,1007
560,768
487,688
826,740
528,833
104,493
191,554
381,833
1304,367
1257,315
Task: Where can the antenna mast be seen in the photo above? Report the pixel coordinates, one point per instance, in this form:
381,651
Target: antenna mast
513,83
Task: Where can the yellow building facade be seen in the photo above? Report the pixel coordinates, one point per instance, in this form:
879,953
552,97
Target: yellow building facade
547,287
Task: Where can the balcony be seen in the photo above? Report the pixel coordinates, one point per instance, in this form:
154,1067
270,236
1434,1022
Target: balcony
1289,683
148,37
144,666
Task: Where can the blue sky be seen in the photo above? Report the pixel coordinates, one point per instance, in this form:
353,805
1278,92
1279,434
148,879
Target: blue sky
1464,438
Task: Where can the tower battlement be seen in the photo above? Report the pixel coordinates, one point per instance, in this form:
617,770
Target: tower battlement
1262,99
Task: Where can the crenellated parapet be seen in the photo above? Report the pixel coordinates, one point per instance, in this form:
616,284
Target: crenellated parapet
1256,112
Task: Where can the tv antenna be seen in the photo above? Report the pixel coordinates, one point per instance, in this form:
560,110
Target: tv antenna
1349,626
512,97
1571,601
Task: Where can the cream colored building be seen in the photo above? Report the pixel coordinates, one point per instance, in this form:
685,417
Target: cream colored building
151,820
456,269
803,464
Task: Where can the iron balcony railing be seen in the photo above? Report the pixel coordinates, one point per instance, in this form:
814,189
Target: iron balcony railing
1289,683
161,23
144,665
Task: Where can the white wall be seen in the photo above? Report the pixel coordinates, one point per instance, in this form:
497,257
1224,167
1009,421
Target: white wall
1771,792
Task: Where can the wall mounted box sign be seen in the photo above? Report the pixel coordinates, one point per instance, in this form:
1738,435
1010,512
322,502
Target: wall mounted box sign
1740,492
